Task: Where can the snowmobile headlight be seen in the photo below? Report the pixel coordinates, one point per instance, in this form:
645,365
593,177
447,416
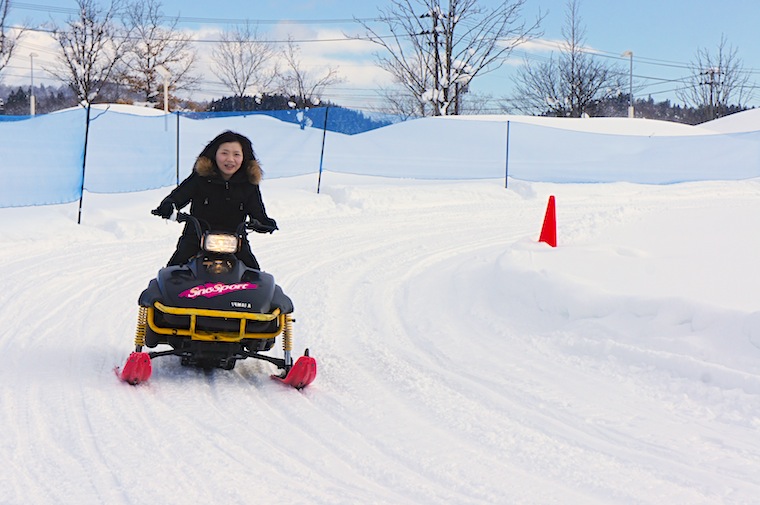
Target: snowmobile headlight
220,243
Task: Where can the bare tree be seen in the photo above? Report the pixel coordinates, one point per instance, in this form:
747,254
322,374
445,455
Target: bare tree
8,38
402,104
244,62
434,53
571,84
303,86
91,46
414,97
717,80
155,42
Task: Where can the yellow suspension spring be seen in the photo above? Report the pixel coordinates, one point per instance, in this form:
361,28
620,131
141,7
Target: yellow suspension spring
287,334
142,318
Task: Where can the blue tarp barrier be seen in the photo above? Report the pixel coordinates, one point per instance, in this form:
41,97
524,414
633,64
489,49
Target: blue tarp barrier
130,153
42,156
41,159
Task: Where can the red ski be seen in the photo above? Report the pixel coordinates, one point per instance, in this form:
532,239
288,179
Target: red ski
301,374
137,369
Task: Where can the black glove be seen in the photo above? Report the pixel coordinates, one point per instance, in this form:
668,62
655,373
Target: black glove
165,209
269,227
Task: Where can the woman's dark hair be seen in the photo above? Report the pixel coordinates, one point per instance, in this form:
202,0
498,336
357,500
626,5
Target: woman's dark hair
229,136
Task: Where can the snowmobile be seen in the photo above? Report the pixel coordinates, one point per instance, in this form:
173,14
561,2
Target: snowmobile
214,311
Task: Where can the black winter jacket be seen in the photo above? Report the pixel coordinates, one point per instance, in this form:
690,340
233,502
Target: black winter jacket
222,204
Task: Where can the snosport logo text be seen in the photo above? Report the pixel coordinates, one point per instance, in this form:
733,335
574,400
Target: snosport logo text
211,290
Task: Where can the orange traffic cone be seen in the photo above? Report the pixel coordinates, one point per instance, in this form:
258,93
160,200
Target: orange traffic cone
549,230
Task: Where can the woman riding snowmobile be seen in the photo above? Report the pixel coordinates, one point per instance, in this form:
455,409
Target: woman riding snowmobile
222,191
212,305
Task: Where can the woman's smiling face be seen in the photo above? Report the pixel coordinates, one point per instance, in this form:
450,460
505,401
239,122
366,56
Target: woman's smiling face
229,158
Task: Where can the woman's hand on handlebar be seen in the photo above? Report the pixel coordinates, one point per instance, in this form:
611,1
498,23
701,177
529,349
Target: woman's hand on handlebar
260,227
165,209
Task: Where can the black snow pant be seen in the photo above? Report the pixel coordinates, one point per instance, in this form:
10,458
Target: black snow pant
187,247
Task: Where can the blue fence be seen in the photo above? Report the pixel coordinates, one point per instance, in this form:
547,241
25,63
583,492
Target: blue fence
42,159
54,158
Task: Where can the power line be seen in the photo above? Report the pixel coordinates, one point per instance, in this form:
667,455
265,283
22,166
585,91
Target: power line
192,19
44,8
531,56
216,41
360,38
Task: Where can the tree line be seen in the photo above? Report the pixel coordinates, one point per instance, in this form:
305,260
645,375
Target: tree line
15,101
130,51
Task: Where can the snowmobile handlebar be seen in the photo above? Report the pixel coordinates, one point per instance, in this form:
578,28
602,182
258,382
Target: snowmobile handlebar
253,224
181,217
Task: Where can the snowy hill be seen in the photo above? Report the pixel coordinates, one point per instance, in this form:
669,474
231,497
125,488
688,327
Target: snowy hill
745,121
461,361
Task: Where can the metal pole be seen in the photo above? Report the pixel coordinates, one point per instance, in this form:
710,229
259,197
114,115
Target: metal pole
32,104
166,95
630,88
177,144
322,154
630,83
506,168
84,164
164,72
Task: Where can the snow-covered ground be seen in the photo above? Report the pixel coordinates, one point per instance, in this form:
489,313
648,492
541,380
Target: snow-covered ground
461,361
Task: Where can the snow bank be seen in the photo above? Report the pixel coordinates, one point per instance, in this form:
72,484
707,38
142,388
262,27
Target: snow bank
460,360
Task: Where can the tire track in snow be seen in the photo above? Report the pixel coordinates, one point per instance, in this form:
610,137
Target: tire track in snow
381,260
396,415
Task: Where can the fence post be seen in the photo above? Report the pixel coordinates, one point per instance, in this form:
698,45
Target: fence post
322,154
506,167
84,164
177,147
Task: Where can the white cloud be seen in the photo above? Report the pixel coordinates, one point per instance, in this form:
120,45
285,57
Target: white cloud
18,71
319,49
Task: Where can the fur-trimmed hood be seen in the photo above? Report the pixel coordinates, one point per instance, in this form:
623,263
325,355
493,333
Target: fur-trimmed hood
205,165
206,168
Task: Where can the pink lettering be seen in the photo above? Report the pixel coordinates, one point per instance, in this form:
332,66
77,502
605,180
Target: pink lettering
211,290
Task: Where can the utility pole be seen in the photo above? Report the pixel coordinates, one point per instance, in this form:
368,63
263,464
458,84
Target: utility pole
712,83
166,75
436,60
436,66
32,102
630,85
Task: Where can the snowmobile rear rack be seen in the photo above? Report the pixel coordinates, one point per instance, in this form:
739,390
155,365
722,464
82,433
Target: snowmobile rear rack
214,336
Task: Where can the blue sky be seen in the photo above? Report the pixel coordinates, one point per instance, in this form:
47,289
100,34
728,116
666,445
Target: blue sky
664,37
